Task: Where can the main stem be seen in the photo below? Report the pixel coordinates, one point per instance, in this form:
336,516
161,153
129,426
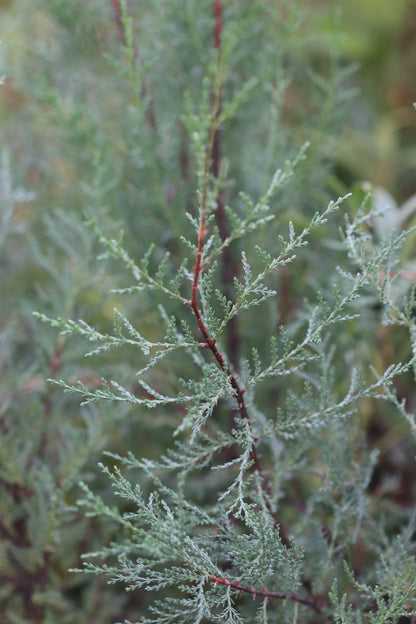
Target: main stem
212,159
210,342
210,164
227,267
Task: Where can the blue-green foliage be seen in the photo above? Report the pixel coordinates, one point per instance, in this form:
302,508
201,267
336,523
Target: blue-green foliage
244,476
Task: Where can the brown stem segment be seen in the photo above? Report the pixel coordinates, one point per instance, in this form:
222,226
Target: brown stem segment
212,160
266,593
210,343
218,23
227,268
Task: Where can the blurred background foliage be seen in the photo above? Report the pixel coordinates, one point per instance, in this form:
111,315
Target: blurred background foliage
380,38
77,128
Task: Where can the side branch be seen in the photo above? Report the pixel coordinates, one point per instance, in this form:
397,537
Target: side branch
266,593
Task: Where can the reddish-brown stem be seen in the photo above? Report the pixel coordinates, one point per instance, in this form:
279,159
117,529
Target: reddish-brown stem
218,24
227,268
212,163
266,593
210,343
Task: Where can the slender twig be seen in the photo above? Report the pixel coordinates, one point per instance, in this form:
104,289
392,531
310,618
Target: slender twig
266,593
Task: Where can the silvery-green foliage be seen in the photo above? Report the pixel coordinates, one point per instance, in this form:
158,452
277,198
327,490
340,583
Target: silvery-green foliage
258,506
206,557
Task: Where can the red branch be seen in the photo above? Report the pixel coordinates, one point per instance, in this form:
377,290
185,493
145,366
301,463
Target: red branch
218,25
227,268
212,162
266,593
210,343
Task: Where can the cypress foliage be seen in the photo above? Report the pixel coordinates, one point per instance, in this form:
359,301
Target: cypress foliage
237,321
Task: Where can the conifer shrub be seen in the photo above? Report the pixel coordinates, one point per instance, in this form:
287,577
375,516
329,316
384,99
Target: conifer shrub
251,343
